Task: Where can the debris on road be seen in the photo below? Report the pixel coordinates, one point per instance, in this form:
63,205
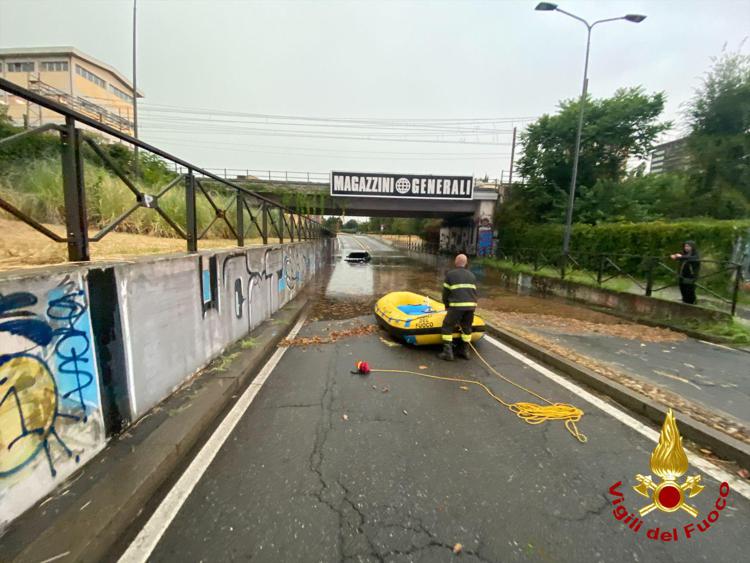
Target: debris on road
457,548
344,417
333,336
654,392
630,331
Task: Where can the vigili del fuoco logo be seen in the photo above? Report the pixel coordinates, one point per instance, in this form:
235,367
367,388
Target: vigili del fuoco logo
669,463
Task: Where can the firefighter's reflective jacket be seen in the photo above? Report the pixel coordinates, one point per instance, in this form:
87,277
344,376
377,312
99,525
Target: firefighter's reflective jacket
460,289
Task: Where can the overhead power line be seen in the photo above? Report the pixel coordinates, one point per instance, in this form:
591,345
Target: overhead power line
287,148
364,120
236,148
267,133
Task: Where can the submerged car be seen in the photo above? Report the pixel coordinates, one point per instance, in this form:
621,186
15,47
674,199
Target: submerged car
358,257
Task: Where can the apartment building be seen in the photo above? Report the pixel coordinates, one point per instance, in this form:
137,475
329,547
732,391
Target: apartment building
70,77
669,157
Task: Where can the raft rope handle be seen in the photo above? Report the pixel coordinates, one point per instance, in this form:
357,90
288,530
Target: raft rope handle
530,413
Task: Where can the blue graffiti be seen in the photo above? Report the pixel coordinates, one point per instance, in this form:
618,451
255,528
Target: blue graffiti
72,349
23,323
28,377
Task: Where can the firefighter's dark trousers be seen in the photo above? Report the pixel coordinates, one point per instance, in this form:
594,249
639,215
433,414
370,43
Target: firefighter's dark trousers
461,317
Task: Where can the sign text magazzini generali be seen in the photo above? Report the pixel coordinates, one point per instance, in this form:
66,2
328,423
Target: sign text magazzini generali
411,186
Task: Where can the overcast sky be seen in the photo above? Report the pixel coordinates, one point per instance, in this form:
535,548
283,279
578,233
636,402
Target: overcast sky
493,64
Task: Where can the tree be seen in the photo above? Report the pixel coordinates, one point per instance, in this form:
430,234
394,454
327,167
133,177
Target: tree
4,118
333,224
351,225
615,130
719,143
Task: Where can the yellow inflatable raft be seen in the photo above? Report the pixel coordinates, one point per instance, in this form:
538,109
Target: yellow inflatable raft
416,319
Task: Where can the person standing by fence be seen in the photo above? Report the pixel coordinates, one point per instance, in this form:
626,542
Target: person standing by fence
690,266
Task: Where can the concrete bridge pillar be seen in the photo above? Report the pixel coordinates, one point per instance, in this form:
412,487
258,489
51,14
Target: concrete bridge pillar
472,235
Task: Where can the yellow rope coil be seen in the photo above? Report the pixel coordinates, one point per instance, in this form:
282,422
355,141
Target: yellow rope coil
531,413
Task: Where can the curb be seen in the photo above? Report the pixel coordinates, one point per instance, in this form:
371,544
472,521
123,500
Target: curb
84,518
676,328
721,444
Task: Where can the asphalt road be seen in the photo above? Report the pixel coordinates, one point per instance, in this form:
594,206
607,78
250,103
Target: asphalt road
329,466
711,375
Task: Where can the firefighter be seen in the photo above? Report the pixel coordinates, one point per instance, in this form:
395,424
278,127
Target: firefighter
460,299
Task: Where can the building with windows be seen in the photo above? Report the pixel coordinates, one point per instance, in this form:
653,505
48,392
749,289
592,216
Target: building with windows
71,78
669,157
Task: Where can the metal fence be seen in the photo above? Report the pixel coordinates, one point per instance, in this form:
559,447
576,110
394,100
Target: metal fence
240,174
245,207
298,177
415,244
719,279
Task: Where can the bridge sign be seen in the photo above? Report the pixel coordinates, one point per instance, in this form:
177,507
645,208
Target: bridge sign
412,186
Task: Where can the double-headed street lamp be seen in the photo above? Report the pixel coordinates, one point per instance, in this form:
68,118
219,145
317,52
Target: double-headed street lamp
634,18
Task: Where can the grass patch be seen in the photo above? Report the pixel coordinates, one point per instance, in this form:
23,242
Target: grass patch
222,364
35,187
583,277
248,343
731,331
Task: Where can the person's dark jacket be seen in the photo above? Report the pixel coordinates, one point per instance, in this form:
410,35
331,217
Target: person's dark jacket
690,264
460,290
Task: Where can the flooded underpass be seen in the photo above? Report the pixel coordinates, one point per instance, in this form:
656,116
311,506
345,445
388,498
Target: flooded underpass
412,462
351,289
695,377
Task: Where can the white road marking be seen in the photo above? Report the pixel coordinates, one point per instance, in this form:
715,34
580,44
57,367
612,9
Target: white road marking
707,467
147,539
715,345
56,557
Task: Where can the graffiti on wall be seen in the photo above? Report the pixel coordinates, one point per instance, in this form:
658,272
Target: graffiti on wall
457,239
50,409
484,236
296,269
248,281
257,282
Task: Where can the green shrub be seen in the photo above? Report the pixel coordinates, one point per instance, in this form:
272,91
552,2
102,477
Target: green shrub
35,187
714,238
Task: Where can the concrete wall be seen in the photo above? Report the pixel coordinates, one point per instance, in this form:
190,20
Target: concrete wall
629,304
471,236
51,419
86,350
179,313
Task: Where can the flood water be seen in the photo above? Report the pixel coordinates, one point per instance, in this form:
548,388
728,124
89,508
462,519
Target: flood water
349,290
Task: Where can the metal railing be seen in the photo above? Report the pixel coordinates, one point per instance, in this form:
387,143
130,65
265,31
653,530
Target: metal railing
82,105
299,177
240,174
649,274
415,244
265,214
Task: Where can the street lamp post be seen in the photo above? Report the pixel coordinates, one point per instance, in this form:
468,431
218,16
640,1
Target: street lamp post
634,18
135,93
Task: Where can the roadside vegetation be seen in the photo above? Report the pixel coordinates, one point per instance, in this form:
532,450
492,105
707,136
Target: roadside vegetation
731,332
622,210
31,180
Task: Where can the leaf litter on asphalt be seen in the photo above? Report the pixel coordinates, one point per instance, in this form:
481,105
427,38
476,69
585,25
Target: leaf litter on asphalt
333,336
